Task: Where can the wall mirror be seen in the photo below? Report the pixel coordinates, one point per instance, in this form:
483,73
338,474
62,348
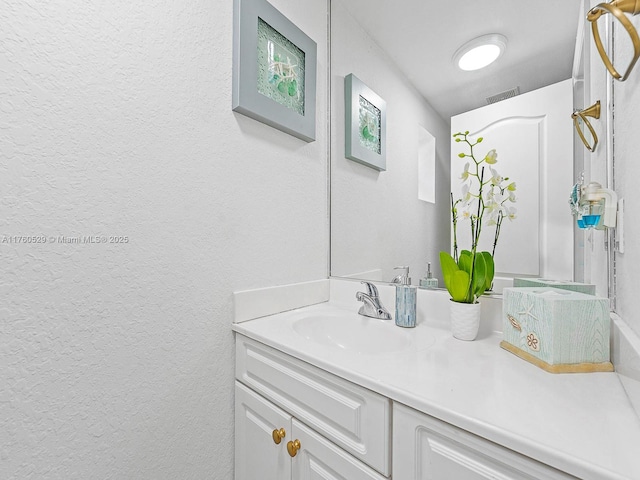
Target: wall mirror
403,51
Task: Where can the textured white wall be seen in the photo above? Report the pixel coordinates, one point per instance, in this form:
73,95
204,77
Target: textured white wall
116,360
377,221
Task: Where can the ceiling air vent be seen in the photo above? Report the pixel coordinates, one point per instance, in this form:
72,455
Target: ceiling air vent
504,95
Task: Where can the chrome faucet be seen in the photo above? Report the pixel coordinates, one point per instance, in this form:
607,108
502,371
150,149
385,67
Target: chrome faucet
371,306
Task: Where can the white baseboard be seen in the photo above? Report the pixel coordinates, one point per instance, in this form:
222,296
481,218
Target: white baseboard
250,304
371,275
625,355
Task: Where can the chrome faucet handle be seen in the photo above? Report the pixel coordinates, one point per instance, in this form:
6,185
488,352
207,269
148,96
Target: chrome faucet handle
372,291
371,306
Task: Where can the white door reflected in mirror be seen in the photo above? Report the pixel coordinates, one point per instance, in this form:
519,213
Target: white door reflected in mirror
534,142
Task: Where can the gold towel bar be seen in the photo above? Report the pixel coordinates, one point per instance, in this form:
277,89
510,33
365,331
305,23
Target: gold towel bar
617,8
594,112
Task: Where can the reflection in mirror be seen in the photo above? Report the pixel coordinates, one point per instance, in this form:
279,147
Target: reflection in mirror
593,257
533,138
380,219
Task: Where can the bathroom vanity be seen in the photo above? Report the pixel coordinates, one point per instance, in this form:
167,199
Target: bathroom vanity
322,392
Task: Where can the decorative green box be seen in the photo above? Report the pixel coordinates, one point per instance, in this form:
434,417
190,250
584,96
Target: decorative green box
558,330
587,288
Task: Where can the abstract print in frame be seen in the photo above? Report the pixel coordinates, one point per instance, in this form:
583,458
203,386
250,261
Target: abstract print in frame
274,69
365,124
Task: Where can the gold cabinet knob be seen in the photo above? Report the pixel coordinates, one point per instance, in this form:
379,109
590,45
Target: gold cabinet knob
293,447
278,435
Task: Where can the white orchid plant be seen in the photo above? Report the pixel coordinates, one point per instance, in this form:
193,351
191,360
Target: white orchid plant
470,274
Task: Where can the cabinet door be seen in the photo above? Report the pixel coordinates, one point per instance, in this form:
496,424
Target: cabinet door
319,459
428,449
257,456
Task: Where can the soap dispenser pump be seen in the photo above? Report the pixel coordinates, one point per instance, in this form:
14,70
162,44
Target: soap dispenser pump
405,300
428,281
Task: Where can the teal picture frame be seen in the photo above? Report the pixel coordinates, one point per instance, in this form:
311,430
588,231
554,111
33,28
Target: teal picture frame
365,124
266,87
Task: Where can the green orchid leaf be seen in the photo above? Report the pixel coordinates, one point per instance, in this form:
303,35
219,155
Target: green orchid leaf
456,281
464,262
490,269
460,286
479,276
449,267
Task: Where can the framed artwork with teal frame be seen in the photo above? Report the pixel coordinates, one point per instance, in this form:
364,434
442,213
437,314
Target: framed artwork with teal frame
365,124
274,69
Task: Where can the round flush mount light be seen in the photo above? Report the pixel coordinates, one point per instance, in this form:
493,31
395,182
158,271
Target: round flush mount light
480,52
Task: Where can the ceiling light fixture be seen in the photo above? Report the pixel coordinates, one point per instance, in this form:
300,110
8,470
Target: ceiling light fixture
480,52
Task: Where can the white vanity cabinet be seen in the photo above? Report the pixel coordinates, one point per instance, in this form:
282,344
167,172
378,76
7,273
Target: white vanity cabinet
339,430
264,435
435,409
425,448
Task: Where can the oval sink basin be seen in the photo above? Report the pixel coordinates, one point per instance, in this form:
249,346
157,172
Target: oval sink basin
354,333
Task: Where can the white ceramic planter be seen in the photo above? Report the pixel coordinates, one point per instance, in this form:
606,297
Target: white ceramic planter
465,320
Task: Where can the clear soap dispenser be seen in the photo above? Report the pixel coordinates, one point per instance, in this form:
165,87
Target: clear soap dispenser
428,281
405,300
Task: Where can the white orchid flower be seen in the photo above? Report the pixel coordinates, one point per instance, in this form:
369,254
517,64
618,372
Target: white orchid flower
466,193
491,200
490,196
469,207
484,197
496,179
492,208
491,157
493,213
497,197
465,173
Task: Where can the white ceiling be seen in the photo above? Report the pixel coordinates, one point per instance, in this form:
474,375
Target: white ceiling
421,36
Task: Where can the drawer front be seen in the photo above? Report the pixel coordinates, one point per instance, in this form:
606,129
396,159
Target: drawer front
356,419
425,448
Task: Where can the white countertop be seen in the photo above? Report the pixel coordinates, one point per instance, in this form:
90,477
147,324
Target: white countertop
582,424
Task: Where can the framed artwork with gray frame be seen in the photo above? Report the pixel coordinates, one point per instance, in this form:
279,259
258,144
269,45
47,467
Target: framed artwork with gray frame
274,69
365,124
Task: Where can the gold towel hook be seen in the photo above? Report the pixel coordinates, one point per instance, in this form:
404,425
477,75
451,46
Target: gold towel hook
594,112
617,8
